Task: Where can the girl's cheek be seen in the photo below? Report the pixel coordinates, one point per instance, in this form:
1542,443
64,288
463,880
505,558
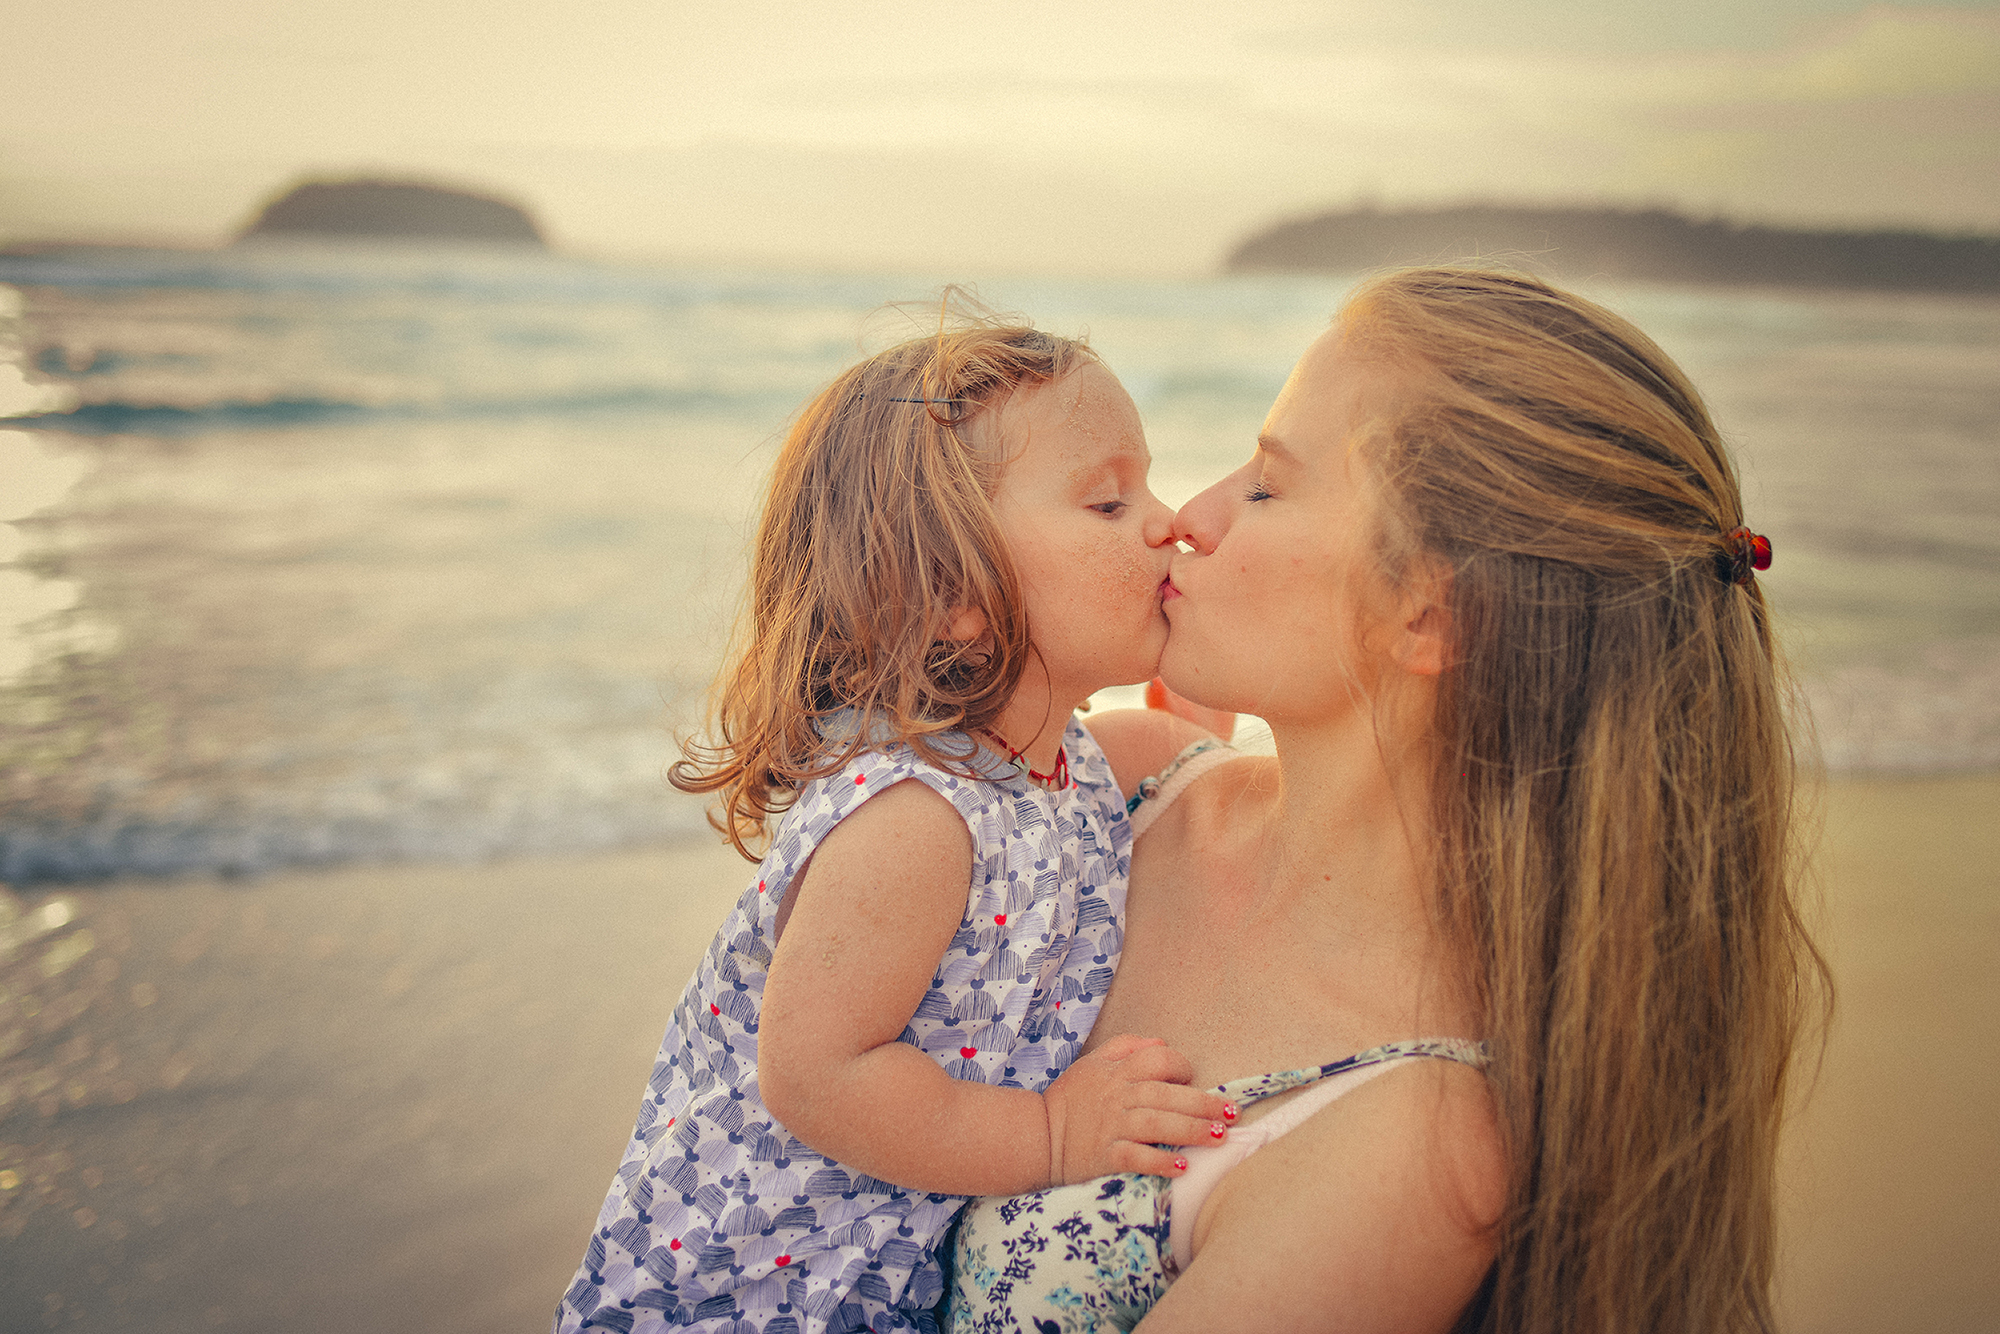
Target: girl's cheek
1126,566
1105,562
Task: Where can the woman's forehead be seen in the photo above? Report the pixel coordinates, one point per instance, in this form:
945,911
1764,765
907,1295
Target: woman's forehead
1334,391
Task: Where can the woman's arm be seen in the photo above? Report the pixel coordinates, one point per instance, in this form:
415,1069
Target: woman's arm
1141,742
885,893
1376,1216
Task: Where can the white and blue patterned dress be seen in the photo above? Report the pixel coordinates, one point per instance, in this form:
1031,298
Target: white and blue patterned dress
718,1218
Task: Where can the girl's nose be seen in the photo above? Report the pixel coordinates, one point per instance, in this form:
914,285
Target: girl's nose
1160,530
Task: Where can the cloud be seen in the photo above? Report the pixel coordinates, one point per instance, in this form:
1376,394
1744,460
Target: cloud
1147,131
1880,54
1596,28
1891,53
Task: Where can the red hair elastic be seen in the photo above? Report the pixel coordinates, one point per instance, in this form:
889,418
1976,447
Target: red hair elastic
1744,553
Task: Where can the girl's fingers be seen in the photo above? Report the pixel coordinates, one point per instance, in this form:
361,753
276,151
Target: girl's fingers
1170,1128
1204,1103
1126,1156
1157,1062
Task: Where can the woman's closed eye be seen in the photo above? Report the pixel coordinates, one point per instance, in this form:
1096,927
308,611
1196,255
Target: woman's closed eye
1258,491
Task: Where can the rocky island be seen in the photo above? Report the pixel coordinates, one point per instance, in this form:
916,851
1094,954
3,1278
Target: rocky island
393,211
1647,244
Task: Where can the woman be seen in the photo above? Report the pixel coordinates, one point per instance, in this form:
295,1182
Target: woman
1486,576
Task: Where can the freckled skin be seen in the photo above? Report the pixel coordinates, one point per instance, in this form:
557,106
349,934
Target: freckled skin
1089,540
1285,578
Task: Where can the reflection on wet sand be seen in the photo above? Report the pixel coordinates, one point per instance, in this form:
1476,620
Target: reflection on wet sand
53,971
335,1101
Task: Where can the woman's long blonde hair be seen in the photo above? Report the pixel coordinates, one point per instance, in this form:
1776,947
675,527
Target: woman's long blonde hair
878,531
1614,797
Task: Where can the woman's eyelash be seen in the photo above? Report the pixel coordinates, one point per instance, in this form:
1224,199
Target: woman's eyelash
1257,492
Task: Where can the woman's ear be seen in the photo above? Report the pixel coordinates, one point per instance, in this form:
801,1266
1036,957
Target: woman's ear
1422,640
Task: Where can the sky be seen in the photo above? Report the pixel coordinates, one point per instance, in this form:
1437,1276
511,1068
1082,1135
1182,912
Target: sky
1119,137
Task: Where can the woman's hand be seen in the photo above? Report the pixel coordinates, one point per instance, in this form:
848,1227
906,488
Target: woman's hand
1109,1110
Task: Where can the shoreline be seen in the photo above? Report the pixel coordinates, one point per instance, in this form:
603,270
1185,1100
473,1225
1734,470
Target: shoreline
382,1096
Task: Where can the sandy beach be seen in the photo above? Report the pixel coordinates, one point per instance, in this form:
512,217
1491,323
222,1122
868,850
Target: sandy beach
390,1097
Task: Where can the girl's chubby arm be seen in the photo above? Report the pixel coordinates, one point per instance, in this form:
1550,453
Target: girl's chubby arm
1376,1216
869,920
1141,742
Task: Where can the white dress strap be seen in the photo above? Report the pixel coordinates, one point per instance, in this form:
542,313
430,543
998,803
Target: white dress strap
1160,791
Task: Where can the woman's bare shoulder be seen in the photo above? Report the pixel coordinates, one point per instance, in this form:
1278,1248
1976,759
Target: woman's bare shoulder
1218,815
1232,795
1387,1196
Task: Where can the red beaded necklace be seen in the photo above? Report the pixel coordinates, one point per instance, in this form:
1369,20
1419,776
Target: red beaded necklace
1056,779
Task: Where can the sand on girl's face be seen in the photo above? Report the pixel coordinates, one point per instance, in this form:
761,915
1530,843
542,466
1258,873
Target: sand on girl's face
392,1097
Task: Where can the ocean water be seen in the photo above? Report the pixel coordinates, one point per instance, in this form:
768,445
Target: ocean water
310,554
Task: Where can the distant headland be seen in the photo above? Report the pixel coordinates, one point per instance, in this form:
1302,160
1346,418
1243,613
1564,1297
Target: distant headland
1656,244
393,211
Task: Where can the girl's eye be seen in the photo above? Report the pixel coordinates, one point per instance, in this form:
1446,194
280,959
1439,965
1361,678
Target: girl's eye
1110,508
1257,492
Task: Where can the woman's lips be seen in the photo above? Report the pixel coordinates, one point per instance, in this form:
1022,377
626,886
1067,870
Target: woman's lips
1167,590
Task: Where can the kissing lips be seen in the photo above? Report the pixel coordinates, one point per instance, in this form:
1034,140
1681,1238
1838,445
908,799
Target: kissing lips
1167,590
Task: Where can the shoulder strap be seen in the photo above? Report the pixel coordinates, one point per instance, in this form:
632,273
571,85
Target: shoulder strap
1256,1087
1159,791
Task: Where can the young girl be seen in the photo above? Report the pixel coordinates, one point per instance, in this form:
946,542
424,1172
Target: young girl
958,547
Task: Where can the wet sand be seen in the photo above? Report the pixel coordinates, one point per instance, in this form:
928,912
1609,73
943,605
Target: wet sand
1891,1203
391,1097
357,1100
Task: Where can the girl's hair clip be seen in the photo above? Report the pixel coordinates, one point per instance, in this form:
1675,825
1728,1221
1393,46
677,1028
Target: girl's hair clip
948,412
927,402
1743,554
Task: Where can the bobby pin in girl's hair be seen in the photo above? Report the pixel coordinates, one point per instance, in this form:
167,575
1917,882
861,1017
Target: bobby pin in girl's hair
954,408
859,394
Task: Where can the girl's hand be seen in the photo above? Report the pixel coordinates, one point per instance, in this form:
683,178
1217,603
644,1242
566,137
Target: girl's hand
1110,1108
1218,721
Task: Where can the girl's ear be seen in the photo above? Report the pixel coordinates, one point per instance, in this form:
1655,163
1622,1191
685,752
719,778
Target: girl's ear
1421,642
966,624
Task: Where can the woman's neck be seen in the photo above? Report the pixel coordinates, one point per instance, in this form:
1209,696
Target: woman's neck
1351,811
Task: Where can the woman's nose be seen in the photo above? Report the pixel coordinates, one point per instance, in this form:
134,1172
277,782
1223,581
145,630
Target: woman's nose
1201,521
1160,529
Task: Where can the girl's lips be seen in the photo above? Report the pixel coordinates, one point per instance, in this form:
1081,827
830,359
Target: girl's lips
1167,590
